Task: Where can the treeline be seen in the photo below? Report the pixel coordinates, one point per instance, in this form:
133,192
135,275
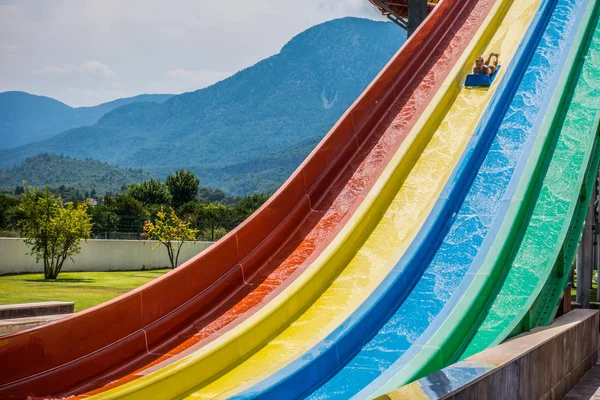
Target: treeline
122,215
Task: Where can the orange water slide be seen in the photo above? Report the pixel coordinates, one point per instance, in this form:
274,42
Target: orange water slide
214,291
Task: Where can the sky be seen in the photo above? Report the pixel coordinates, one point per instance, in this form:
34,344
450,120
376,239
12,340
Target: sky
85,52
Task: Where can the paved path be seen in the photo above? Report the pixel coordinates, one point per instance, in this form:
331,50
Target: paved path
588,387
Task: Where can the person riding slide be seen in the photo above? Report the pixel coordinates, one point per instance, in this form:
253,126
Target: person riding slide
486,68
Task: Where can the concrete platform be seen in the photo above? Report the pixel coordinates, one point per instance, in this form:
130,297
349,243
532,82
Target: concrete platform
11,311
13,325
543,364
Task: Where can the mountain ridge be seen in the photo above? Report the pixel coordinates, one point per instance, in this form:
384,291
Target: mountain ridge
26,118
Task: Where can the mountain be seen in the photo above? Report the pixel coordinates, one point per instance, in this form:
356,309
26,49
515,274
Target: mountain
260,174
26,118
276,110
52,170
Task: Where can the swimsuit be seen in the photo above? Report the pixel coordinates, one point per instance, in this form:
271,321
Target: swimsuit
485,68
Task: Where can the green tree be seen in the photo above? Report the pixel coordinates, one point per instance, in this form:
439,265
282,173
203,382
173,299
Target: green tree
131,212
248,204
170,231
213,215
150,192
8,205
53,229
104,220
206,194
189,211
183,186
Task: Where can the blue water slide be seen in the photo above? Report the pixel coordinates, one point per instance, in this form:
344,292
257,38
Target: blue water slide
357,342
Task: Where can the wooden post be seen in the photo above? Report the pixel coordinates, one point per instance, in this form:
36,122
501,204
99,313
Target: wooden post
565,304
417,12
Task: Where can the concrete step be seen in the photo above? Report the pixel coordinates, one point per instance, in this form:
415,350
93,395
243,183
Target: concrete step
13,325
10,311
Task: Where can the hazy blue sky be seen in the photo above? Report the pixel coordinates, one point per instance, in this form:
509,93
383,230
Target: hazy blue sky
85,52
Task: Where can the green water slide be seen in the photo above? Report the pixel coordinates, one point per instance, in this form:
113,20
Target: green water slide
531,259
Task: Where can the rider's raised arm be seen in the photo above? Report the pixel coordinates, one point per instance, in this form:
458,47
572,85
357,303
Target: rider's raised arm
496,59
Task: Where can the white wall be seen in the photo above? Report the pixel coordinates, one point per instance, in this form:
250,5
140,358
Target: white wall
97,255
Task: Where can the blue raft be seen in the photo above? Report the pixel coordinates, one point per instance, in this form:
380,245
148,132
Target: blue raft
481,80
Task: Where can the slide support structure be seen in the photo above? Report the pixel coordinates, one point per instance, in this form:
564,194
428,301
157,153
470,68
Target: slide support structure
417,12
585,259
596,256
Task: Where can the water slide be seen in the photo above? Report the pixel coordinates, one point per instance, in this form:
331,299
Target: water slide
413,210
216,291
334,287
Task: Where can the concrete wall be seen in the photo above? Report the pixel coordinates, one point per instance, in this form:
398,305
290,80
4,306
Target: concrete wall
97,255
543,364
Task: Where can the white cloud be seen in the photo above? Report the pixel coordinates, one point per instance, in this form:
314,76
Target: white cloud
92,69
9,48
360,7
146,45
54,70
97,68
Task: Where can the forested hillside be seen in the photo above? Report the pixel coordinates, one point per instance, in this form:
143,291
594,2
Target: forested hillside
85,175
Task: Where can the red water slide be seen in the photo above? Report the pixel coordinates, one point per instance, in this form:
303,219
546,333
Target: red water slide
218,288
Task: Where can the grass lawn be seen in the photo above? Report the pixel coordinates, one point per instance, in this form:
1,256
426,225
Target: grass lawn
592,292
85,289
